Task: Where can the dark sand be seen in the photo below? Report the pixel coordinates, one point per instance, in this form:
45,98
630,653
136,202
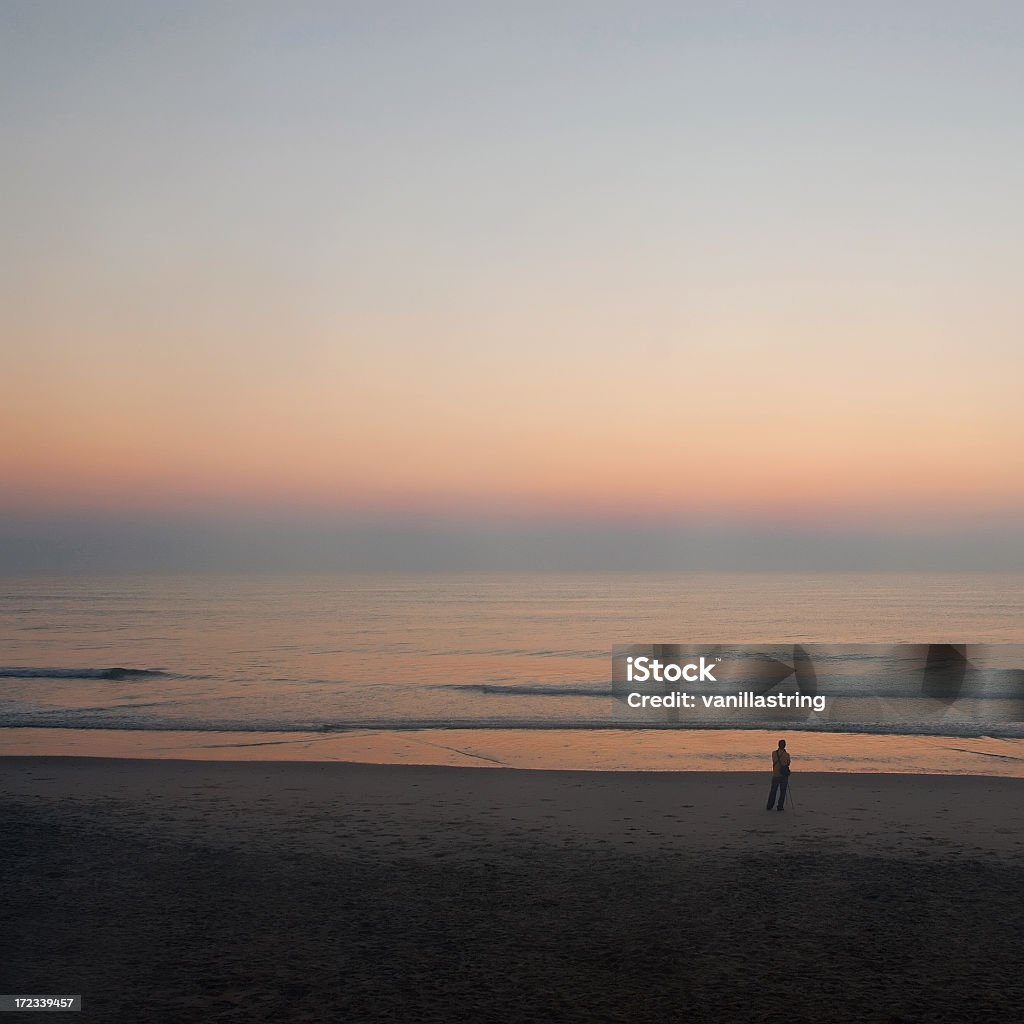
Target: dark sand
192,891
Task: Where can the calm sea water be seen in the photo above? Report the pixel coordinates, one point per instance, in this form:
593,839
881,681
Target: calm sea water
336,653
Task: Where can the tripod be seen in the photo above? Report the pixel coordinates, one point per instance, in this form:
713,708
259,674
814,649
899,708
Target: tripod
789,793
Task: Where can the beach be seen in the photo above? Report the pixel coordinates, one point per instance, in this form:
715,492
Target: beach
226,891
448,449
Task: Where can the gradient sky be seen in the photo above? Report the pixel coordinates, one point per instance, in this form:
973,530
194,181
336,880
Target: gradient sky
483,270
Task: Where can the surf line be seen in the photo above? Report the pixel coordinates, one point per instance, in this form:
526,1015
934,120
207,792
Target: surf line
457,750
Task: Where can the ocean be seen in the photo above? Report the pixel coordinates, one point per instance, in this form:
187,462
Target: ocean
345,654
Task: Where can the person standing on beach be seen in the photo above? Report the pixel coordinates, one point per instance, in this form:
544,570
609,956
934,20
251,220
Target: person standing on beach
780,775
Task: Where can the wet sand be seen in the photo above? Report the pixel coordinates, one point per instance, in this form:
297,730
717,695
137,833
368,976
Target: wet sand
195,891
671,750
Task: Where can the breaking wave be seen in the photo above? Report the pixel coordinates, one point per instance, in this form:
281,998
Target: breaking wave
108,719
115,674
514,690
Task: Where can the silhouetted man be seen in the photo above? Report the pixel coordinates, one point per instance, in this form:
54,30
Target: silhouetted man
780,776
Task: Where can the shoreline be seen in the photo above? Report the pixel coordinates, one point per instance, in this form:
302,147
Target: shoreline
549,749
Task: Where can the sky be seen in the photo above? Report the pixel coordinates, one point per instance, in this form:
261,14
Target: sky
559,285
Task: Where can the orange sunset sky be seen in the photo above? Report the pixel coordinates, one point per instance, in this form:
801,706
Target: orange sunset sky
649,266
